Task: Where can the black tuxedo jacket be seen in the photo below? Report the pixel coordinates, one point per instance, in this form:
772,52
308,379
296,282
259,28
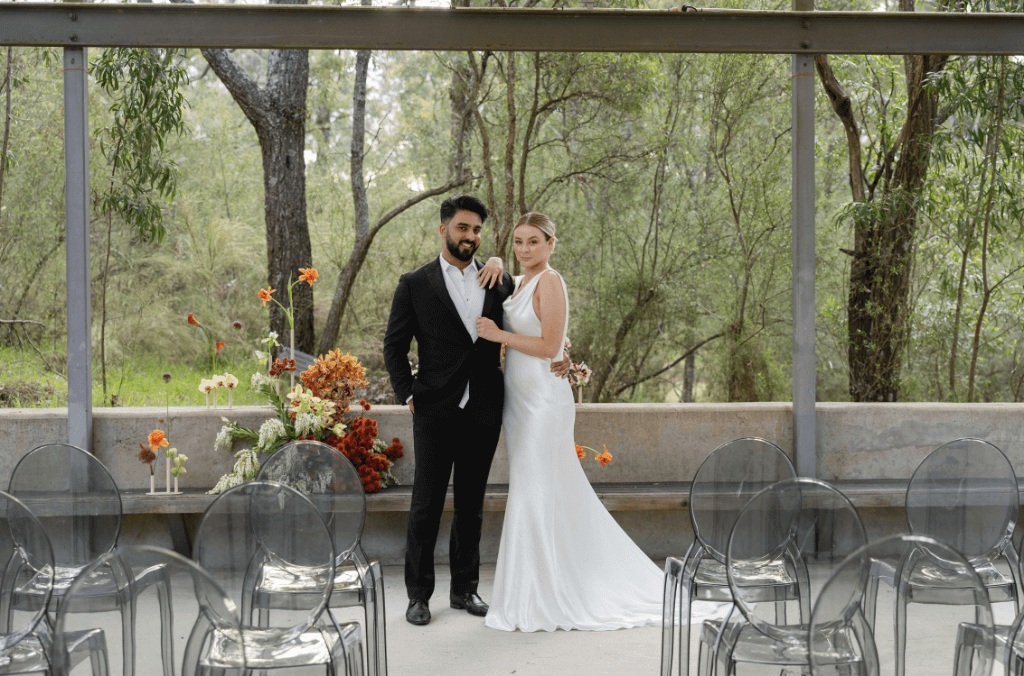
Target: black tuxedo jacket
448,357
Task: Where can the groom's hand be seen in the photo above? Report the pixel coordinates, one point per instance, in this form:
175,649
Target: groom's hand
490,274
561,368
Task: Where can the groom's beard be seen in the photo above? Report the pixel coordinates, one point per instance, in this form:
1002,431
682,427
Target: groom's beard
455,249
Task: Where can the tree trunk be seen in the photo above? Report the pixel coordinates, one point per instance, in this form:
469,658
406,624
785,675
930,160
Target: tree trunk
689,377
8,85
364,234
878,304
278,113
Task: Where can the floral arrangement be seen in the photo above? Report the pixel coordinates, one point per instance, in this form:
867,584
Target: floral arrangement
210,386
316,408
175,461
604,457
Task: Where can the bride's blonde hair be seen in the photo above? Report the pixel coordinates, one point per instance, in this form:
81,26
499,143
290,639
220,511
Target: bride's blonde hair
539,221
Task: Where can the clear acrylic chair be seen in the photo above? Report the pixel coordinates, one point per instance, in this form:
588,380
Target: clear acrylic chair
26,638
78,502
254,536
723,484
1008,639
330,480
840,637
198,601
812,527
963,494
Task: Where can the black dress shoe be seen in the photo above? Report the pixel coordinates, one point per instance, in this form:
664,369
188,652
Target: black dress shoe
418,612
470,602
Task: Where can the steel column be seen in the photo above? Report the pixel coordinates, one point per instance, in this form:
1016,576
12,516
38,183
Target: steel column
76,220
804,369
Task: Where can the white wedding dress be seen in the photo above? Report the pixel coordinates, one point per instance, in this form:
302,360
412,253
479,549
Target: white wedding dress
563,561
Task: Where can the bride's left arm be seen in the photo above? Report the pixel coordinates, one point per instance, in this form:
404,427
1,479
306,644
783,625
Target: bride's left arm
552,313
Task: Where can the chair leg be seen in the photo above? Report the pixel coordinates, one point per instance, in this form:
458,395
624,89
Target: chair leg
901,635
870,601
128,635
669,612
163,590
780,605
382,633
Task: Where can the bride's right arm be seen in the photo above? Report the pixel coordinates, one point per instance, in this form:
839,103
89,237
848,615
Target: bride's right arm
552,315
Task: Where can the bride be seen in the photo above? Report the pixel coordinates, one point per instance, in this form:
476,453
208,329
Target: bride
563,561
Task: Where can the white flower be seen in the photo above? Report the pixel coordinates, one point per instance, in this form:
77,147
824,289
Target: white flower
247,466
261,356
205,386
339,428
379,446
270,431
171,452
261,380
217,380
306,424
224,439
230,381
583,373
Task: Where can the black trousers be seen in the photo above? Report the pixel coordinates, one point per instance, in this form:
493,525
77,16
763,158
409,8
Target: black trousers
442,443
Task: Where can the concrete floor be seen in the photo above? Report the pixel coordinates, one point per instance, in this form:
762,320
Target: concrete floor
455,643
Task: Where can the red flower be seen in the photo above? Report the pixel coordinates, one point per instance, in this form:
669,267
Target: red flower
366,406
219,346
192,320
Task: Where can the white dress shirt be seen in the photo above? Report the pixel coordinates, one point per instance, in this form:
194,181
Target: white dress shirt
468,297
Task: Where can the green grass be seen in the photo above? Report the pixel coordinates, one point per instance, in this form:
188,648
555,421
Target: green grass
26,383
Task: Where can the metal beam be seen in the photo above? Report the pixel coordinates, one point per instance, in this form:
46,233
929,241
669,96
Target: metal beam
804,366
568,30
76,220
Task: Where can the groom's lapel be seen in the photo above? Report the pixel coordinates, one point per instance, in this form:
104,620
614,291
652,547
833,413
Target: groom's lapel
436,279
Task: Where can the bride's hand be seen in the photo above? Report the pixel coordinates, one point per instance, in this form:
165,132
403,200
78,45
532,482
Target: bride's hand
488,330
490,274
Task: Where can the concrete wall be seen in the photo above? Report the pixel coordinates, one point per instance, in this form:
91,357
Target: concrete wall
649,442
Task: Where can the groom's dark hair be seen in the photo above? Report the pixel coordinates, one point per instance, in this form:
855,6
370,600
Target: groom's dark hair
462,203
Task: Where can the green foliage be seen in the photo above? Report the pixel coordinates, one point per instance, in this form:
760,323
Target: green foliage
668,177
146,104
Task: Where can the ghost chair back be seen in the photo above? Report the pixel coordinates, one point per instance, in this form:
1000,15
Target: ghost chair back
723,484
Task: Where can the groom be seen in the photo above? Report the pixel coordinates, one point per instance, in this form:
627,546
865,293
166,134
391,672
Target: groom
456,399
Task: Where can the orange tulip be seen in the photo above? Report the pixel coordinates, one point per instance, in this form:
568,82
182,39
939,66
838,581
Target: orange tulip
264,295
308,275
219,346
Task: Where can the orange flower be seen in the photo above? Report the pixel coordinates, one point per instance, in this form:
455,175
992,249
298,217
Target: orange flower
308,275
156,440
219,346
605,458
580,453
192,320
264,295
366,406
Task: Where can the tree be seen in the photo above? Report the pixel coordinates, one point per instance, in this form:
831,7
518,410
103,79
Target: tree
885,220
277,112
364,233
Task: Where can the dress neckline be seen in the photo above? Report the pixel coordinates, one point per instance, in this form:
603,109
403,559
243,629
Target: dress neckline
518,291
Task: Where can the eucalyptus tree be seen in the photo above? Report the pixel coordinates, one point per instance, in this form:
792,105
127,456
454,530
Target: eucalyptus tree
146,106
886,184
976,201
277,111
